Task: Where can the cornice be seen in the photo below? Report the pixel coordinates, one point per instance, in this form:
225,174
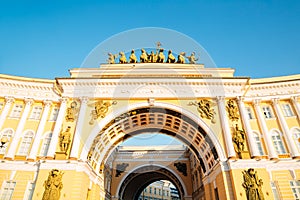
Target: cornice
156,88
27,88
286,87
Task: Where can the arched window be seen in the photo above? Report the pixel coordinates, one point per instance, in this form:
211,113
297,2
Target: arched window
296,137
257,139
26,143
278,143
8,134
46,143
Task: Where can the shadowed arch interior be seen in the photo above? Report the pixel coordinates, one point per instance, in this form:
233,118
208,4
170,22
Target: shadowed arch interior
136,181
154,119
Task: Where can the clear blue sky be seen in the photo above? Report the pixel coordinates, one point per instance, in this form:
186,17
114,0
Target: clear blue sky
46,38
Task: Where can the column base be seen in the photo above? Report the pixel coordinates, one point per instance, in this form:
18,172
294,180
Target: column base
233,158
256,157
30,159
8,158
49,158
73,158
274,159
296,157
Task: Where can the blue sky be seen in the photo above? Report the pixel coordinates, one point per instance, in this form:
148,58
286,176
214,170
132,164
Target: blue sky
46,38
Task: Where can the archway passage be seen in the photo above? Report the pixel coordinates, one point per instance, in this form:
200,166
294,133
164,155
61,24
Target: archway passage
154,119
135,182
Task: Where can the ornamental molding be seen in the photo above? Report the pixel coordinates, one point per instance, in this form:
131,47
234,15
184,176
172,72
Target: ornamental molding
141,88
28,89
267,164
289,87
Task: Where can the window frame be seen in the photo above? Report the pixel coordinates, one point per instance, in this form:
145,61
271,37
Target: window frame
36,113
279,140
12,189
16,110
25,144
267,111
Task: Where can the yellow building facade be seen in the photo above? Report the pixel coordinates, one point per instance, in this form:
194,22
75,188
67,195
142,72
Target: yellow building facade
57,136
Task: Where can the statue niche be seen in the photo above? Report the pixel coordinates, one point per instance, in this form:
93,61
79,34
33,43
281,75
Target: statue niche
53,185
252,185
71,112
238,137
65,139
232,109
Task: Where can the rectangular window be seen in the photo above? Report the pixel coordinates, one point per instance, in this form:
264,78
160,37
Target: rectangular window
54,114
29,191
249,113
8,188
287,110
267,112
274,190
36,112
16,112
295,186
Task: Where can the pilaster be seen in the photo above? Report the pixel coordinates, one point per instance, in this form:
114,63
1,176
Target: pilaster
14,144
78,130
252,144
290,142
225,126
37,138
267,137
8,103
57,128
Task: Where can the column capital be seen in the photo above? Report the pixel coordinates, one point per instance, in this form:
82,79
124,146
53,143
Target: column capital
47,102
256,102
28,101
294,99
275,101
220,98
83,100
240,99
9,100
64,99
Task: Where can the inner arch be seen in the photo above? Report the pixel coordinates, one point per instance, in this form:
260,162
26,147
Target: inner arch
137,180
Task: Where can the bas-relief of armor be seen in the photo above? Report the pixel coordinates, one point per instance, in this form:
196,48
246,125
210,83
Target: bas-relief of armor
252,185
53,185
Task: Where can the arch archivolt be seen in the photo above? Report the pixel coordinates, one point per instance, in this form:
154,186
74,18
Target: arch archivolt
160,117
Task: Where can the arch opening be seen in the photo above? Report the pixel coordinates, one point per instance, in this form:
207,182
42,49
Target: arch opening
154,119
135,183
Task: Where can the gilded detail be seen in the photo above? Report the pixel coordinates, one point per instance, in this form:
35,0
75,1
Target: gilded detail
100,109
233,111
65,139
71,112
53,185
205,109
252,185
238,137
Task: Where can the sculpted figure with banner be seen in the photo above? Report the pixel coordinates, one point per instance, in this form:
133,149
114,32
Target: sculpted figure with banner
252,185
53,185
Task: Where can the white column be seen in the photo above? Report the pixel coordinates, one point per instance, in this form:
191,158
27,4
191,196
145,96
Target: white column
78,130
267,137
290,142
57,128
14,144
226,129
8,102
252,144
296,105
39,132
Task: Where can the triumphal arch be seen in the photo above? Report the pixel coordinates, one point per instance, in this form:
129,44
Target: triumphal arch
60,138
